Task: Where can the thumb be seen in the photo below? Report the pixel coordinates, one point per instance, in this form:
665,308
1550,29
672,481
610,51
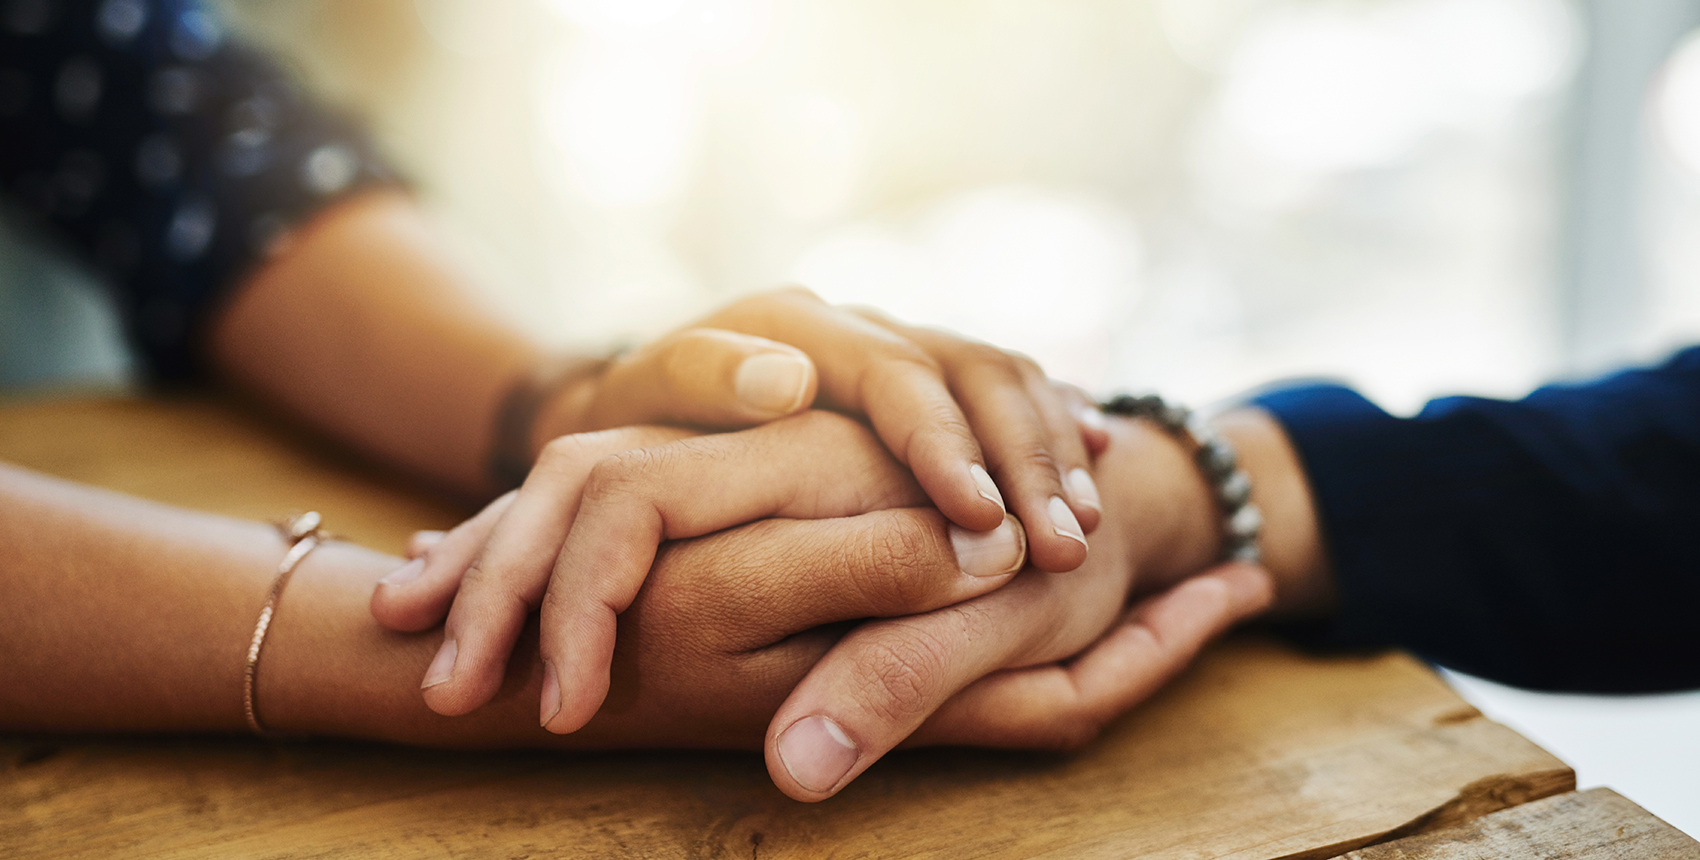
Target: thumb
706,376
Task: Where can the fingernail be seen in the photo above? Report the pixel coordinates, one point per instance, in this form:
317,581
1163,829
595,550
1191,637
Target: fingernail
1091,417
994,553
816,752
551,695
406,573
1085,490
987,487
442,666
1063,521
424,540
773,382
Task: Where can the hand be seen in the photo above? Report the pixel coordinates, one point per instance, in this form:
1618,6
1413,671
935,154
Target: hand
728,623
942,675
685,678
594,510
965,417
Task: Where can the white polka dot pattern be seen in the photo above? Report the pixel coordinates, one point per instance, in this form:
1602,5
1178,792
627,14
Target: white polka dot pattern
172,156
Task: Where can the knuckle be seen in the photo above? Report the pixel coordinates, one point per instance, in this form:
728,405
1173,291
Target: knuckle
900,562
1026,366
561,454
989,357
624,473
777,303
898,671
487,591
796,293
1034,457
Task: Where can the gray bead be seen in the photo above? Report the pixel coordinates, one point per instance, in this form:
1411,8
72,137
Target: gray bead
329,169
1235,490
1246,551
1174,417
1216,458
1246,522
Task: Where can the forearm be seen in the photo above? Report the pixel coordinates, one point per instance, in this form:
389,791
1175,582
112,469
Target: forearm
364,328
1484,534
121,615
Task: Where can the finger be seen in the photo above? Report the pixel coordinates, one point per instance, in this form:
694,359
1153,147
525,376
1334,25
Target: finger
879,683
417,595
1094,427
635,500
1031,448
868,370
1065,705
774,578
1073,462
705,376
503,580
885,679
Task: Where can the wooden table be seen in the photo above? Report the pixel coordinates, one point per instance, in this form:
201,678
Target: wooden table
1257,752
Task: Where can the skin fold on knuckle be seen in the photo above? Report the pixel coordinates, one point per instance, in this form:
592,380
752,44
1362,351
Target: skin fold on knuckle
942,434
619,475
727,591
898,671
1033,461
990,364
901,564
874,480
566,456
485,598
1030,370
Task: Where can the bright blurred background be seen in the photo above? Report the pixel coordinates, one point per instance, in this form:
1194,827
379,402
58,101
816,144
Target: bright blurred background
1195,196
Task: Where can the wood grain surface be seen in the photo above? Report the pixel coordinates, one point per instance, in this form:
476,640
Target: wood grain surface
1598,824
1257,752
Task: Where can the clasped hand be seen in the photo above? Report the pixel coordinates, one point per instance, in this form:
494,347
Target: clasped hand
798,576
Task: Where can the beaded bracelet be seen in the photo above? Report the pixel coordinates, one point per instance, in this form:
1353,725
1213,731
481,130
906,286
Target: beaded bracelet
1229,484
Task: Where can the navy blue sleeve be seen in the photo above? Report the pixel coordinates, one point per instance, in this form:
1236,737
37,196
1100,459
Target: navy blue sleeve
165,154
1551,542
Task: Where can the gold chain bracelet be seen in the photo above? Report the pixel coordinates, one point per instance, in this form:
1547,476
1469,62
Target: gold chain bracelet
303,535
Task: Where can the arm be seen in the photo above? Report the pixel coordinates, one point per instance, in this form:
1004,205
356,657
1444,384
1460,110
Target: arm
122,615
249,230
1543,542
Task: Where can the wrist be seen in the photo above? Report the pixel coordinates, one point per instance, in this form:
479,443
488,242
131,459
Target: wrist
1169,509
1163,501
550,399
1293,550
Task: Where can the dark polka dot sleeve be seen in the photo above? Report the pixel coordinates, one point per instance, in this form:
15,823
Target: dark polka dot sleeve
169,156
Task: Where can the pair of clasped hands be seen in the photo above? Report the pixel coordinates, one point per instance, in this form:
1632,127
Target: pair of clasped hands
906,562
